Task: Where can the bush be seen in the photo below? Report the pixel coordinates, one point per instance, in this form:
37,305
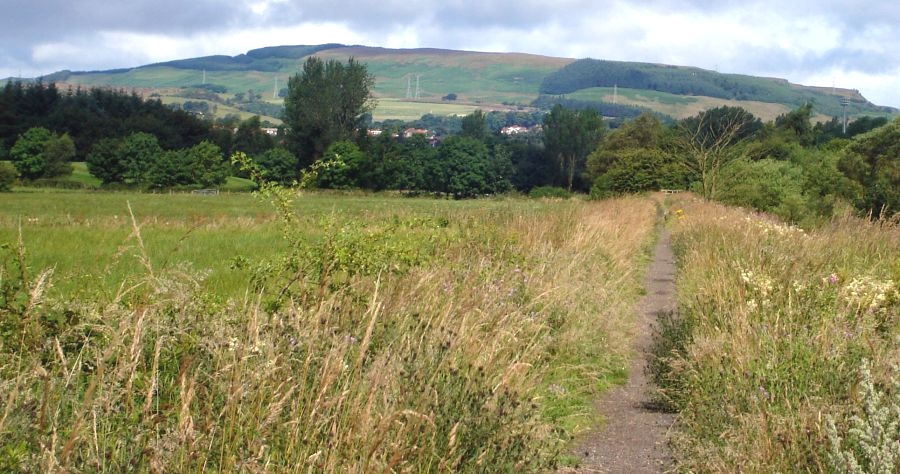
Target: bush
8,176
549,192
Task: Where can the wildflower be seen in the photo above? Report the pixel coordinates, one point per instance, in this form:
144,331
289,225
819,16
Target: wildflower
868,293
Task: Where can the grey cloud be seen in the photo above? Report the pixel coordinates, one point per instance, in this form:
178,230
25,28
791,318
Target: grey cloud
574,28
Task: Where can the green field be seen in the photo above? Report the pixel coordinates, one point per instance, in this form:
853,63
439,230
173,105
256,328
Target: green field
411,110
71,231
213,325
81,175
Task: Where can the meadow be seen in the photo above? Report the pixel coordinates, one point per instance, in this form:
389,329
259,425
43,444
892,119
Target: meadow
785,354
314,332
352,332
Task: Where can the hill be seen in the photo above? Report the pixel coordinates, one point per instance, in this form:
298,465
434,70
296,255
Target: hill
413,82
695,82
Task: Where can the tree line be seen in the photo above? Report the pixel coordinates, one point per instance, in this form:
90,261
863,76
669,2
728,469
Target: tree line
789,166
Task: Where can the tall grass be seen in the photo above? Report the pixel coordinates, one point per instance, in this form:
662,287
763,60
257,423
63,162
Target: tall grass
464,342
774,326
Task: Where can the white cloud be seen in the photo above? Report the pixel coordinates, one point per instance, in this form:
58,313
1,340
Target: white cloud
879,89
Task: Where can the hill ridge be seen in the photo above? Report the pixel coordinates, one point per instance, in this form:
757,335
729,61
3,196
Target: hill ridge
488,80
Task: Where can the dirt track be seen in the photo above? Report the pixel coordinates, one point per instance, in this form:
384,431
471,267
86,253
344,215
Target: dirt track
633,437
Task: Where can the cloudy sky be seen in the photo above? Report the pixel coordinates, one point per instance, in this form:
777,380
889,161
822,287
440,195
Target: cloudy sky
848,43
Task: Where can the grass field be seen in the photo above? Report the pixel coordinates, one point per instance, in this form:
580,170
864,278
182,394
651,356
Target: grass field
81,175
360,332
344,332
73,230
412,110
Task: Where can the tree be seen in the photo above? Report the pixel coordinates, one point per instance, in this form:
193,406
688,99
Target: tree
569,136
27,153
400,165
639,169
251,139
167,169
278,165
136,155
873,160
707,144
465,167
474,125
206,165
645,133
325,103
38,153
797,124
57,153
767,185
343,164
103,161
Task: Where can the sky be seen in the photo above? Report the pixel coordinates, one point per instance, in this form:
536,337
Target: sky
852,44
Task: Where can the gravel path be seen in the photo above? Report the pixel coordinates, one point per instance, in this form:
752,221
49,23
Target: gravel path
633,439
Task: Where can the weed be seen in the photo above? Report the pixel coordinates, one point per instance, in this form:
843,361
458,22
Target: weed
872,442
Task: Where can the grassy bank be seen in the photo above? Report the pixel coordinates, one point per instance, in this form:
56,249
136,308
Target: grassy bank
775,325
362,334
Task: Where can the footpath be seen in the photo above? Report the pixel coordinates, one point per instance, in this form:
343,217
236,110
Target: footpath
634,436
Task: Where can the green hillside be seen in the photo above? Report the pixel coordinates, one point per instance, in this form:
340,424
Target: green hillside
691,81
413,82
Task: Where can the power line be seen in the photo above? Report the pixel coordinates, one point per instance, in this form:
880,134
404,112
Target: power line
844,103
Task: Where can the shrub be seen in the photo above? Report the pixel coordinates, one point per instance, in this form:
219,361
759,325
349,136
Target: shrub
8,175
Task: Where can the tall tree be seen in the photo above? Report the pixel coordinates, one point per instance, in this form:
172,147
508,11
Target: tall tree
324,104
569,136
474,125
